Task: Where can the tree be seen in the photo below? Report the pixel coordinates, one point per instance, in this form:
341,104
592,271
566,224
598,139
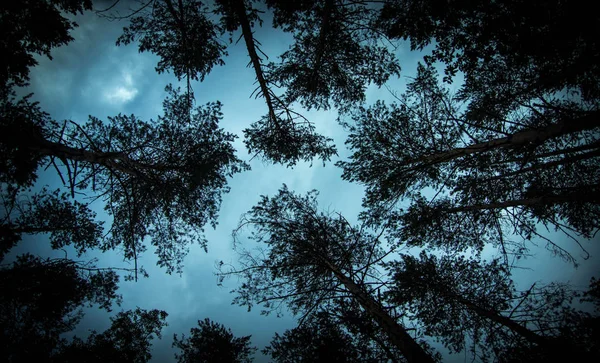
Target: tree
212,342
33,27
160,179
188,43
505,50
42,299
538,165
127,340
515,146
459,299
335,53
310,258
67,222
283,135
347,313
321,339
181,34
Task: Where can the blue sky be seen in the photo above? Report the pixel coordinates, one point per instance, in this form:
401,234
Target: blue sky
92,76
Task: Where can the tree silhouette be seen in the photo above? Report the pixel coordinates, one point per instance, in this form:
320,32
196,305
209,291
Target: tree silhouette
181,34
42,299
538,166
456,298
127,340
32,27
504,50
336,52
515,150
310,258
321,339
160,179
67,222
347,313
187,41
212,342
518,144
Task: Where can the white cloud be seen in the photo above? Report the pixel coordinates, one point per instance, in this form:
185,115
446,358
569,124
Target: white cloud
121,95
122,92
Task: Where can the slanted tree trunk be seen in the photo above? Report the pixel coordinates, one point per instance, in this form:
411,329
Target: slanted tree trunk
110,160
521,138
588,194
240,9
396,332
502,320
550,164
325,29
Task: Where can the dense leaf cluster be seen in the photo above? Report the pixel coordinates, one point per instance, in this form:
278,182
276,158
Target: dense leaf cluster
42,299
212,342
181,34
321,340
33,27
336,53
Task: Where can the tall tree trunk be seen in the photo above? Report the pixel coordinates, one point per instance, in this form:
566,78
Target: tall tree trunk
521,138
397,333
320,51
110,160
558,347
240,9
588,194
509,323
566,160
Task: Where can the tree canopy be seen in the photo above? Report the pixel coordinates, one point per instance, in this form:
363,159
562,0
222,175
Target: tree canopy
536,166
505,50
306,258
517,143
212,342
66,222
336,52
23,37
321,339
462,171
163,179
127,340
462,300
42,299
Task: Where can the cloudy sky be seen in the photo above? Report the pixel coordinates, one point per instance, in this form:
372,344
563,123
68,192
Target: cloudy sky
92,76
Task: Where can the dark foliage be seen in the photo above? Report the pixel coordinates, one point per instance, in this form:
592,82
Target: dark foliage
128,340
21,123
31,27
514,151
536,165
505,49
42,299
283,135
335,55
67,222
301,242
337,52
212,342
181,33
467,304
160,179
321,339
306,258
288,141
